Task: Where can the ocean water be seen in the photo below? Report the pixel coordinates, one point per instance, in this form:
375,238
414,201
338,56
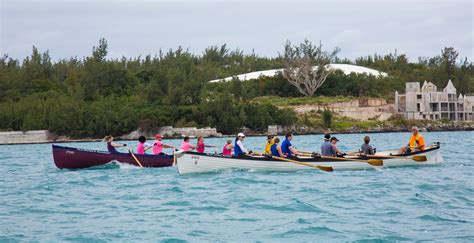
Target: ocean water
114,202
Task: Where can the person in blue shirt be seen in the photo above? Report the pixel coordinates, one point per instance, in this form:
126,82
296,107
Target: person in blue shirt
287,147
275,149
327,148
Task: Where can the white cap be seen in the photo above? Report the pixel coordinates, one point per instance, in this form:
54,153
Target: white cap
241,134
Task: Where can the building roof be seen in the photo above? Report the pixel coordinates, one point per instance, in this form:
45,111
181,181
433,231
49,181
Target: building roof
450,88
345,68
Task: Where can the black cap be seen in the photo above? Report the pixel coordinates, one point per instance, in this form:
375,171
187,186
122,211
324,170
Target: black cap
269,136
327,136
334,138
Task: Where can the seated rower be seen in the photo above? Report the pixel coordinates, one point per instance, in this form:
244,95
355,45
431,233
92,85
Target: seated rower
276,149
186,146
287,146
159,145
143,146
416,143
227,149
334,141
111,145
200,146
239,148
366,148
269,144
327,149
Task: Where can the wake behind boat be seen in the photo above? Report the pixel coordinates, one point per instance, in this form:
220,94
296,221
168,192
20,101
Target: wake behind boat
192,162
76,158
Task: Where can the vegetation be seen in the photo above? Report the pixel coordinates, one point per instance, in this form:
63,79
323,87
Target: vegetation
94,96
300,62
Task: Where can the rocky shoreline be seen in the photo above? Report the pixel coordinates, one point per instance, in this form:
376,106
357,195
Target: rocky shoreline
43,136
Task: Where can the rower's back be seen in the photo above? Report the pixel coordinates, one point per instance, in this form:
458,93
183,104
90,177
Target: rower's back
327,149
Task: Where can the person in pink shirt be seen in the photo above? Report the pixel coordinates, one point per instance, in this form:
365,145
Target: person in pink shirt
159,145
200,145
186,146
227,149
142,145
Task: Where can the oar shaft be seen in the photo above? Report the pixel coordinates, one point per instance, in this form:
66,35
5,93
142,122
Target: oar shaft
135,158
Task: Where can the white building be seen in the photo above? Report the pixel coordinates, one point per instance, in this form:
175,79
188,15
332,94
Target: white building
433,104
345,68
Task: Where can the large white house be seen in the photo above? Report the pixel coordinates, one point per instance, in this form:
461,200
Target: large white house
433,104
345,68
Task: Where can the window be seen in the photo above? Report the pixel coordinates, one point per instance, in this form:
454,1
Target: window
418,96
418,107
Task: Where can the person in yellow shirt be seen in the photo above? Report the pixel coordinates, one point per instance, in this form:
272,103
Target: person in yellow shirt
269,144
416,143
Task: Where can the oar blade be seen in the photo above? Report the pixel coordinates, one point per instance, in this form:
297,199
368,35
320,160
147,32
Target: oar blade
420,158
375,162
326,168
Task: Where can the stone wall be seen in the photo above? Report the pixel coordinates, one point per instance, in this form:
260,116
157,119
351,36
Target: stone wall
18,137
360,109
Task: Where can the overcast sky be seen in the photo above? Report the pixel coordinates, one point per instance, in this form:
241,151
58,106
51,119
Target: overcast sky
133,28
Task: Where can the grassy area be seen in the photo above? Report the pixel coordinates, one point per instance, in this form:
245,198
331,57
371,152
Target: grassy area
293,101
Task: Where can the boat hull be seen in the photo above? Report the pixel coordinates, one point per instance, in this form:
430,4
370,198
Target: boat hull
191,162
77,158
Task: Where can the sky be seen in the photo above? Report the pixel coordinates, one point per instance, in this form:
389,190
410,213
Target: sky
69,28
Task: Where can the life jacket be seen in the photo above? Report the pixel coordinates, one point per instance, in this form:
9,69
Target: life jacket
200,147
416,141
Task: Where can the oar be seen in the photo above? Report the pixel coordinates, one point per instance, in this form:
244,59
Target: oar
374,162
417,158
135,158
174,157
324,168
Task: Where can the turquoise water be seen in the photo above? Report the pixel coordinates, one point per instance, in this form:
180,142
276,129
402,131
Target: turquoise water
124,203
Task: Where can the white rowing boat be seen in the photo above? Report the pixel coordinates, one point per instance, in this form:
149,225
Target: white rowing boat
192,162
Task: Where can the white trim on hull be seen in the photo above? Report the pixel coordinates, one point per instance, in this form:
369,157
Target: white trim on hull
202,163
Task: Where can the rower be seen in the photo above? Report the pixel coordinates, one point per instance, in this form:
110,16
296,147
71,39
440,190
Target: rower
327,149
227,149
239,148
186,146
143,146
200,146
416,143
269,144
287,147
159,145
276,149
366,148
334,141
111,145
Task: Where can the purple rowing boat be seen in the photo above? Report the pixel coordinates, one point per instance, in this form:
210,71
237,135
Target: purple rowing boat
76,158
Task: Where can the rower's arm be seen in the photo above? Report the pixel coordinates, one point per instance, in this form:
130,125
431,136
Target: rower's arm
293,150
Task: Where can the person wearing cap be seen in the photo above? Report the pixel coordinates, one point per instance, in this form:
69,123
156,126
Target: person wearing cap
416,143
158,145
287,147
334,141
239,148
269,144
327,149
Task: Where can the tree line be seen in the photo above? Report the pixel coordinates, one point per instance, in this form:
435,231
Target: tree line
96,96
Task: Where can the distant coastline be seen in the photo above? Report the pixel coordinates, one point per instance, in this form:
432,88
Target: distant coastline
44,137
